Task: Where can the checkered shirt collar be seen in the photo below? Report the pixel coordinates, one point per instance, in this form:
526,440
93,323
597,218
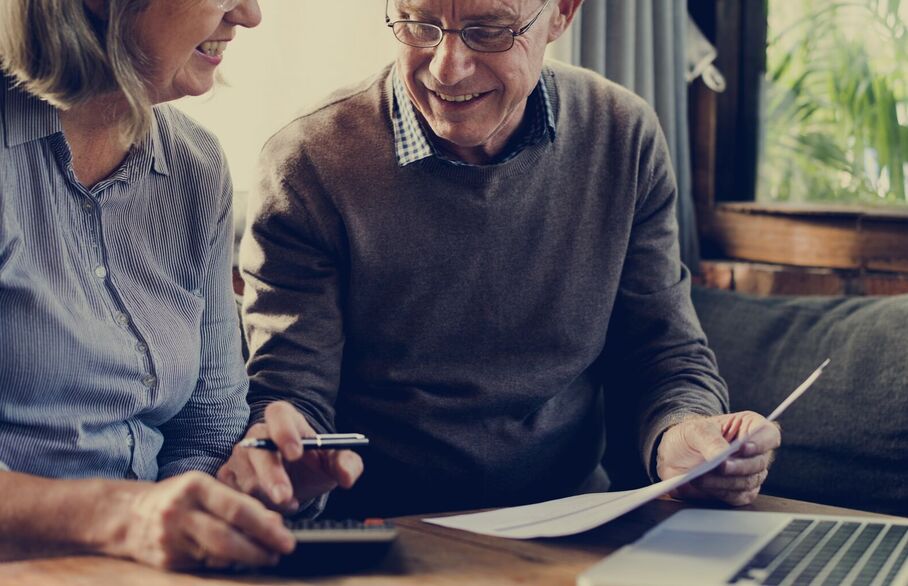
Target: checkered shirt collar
413,142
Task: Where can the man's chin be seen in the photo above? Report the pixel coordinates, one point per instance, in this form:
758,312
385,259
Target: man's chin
460,140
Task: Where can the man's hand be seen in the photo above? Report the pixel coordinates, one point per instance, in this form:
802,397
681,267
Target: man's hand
192,521
285,479
737,481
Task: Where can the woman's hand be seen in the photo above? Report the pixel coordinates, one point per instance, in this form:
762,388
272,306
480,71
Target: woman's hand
194,521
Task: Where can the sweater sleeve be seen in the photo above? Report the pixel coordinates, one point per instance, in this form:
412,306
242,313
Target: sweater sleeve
292,301
663,347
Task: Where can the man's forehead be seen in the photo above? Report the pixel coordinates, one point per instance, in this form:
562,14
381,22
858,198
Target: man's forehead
504,10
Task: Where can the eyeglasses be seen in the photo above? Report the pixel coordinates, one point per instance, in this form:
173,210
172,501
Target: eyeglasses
227,5
485,39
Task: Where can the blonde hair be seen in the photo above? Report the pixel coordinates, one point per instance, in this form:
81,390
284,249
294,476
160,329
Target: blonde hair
61,52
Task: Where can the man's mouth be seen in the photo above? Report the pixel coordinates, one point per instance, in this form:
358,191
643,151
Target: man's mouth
457,98
212,48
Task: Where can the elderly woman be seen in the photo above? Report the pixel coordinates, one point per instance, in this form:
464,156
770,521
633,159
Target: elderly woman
119,349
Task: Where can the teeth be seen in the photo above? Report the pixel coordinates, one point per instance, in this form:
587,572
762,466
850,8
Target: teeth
463,98
213,48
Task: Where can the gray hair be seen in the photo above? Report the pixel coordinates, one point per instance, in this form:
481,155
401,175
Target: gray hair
61,52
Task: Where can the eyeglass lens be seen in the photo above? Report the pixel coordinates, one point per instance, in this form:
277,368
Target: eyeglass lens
479,38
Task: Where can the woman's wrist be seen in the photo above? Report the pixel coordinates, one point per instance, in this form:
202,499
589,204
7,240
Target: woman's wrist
111,517
47,517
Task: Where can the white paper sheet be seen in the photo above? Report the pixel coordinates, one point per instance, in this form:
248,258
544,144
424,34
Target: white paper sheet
574,514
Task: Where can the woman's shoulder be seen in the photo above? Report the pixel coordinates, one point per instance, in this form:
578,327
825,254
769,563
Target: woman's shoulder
181,139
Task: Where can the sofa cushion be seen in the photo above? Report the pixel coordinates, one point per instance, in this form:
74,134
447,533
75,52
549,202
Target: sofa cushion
845,442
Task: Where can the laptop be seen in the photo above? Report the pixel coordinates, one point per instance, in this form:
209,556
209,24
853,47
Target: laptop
699,547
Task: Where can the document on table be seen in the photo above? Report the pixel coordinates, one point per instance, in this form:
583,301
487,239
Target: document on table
574,514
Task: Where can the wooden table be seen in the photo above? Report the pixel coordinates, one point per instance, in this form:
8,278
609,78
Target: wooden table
424,554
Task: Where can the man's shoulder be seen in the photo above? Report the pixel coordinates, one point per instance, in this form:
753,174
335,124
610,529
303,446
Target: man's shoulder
348,114
585,95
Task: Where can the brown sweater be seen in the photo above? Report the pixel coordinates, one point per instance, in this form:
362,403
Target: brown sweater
457,315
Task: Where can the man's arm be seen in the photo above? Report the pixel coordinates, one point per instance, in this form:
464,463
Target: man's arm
291,258
683,403
655,326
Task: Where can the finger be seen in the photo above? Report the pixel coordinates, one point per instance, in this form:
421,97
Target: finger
222,544
345,467
269,477
732,427
312,475
746,466
239,474
286,426
689,492
716,483
227,475
705,437
737,499
245,514
764,439
216,563
259,473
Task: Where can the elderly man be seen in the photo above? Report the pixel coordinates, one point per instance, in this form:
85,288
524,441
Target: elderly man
434,259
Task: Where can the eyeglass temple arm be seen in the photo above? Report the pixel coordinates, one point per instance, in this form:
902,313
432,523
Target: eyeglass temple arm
524,28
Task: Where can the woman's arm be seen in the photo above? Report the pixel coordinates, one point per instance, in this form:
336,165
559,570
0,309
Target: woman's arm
41,517
202,434
185,522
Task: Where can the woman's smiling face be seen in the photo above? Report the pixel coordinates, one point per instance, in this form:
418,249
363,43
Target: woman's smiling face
184,42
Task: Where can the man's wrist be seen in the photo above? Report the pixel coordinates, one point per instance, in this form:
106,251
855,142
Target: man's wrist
663,427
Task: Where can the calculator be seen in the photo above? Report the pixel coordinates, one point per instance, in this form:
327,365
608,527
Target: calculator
337,546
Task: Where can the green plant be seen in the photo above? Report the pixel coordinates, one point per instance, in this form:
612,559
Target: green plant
835,103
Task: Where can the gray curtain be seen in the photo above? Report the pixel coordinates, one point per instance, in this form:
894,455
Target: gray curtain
640,44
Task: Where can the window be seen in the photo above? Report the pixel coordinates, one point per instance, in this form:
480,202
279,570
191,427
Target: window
787,174
834,105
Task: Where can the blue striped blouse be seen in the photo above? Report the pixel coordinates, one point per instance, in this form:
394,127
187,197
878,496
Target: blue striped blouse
119,343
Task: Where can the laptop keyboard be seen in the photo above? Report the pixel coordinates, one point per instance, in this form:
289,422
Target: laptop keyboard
829,553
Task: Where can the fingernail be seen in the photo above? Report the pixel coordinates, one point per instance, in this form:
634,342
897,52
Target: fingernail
730,467
750,447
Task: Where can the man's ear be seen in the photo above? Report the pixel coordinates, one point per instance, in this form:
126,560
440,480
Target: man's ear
565,11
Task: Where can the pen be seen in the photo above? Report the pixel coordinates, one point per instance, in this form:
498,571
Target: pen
325,441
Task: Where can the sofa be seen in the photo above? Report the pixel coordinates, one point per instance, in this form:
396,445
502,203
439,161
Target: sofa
845,442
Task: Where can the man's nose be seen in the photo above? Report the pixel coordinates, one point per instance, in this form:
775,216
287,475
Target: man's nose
452,61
